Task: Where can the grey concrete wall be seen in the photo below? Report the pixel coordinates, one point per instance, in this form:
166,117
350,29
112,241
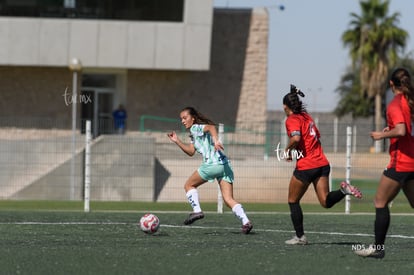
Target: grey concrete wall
122,168
233,91
110,43
25,163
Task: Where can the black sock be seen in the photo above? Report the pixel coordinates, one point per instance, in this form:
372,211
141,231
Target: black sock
382,222
297,218
333,197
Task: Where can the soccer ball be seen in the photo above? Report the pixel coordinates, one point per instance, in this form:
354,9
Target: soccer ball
149,223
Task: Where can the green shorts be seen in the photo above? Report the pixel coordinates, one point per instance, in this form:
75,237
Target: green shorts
210,172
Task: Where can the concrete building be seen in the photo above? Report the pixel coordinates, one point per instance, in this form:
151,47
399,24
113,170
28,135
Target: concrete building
152,58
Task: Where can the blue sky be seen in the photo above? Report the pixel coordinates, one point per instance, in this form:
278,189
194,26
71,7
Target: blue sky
305,46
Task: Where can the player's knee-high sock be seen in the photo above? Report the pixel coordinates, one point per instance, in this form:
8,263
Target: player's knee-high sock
296,215
382,222
240,214
192,196
333,197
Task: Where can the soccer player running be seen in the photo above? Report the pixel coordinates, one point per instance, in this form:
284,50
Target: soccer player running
400,170
215,165
312,166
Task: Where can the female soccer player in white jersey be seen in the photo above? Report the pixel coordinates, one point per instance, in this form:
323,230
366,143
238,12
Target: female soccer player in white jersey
215,165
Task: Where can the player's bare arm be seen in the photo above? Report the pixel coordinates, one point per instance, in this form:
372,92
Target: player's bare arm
398,131
293,143
186,148
213,132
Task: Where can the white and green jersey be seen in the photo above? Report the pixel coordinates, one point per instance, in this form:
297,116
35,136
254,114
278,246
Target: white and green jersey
204,145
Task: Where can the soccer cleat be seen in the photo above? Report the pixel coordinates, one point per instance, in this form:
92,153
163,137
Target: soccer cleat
349,189
370,252
246,228
296,240
193,217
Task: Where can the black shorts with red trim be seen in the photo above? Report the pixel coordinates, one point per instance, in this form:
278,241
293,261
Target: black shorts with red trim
401,177
310,175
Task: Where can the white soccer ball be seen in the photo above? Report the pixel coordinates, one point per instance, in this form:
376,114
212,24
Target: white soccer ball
149,223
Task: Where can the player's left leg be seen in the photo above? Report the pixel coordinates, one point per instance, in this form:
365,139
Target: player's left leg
408,189
227,193
387,190
321,186
297,189
327,199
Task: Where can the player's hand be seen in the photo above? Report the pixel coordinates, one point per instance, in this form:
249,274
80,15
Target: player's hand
173,136
377,135
218,145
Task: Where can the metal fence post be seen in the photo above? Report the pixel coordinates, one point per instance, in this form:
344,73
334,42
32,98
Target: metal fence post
219,194
88,139
348,167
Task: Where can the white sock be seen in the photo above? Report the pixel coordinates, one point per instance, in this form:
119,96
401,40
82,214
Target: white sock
240,214
192,197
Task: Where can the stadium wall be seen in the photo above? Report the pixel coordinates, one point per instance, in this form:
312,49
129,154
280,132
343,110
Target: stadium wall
233,89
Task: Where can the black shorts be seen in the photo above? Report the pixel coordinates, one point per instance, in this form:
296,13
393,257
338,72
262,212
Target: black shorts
401,177
310,175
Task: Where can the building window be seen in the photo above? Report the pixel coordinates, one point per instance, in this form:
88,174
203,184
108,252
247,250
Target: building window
140,10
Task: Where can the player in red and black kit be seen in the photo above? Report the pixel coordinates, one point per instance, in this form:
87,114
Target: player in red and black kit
399,173
312,166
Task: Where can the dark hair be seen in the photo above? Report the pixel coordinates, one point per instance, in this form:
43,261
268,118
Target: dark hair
402,81
293,102
199,118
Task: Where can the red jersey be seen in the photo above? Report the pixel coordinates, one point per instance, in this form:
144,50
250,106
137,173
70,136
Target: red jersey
402,148
310,153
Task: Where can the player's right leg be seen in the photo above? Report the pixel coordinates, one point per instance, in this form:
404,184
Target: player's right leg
296,191
349,189
328,198
190,187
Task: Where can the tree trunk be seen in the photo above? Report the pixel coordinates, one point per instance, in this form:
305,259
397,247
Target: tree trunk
378,121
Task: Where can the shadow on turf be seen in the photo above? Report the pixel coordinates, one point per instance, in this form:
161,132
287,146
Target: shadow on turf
157,234
231,232
332,243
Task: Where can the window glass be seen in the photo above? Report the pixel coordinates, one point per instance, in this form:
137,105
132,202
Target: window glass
142,10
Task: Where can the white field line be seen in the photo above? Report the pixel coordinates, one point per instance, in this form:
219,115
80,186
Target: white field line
248,212
290,231
205,228
64,223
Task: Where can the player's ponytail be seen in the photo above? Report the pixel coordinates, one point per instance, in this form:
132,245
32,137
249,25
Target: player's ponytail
292,100
402,81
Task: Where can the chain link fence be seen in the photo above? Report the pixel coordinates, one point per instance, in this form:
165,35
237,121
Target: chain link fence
39,162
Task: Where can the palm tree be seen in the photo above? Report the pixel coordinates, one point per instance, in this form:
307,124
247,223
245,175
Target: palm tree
374,41
407,61
352,102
